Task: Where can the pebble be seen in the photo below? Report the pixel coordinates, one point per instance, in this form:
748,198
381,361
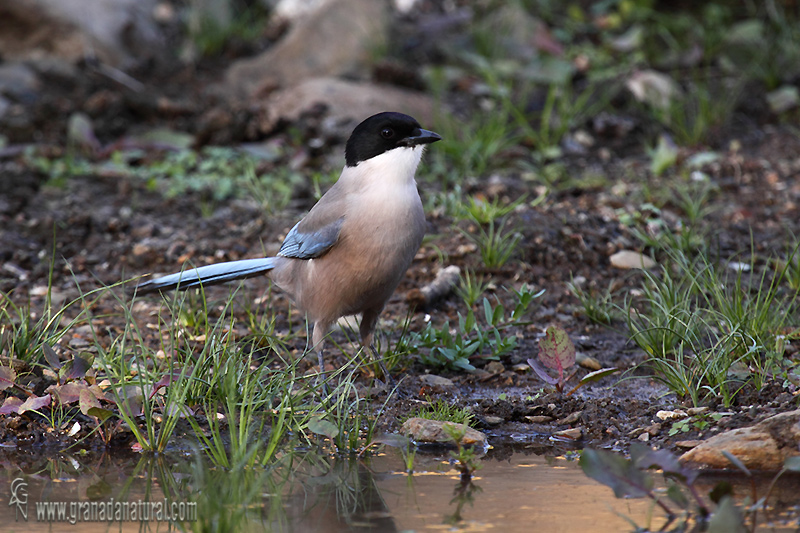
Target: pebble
587,361
495,367
670,415
570,418
492,420
628,259
432,380
571,433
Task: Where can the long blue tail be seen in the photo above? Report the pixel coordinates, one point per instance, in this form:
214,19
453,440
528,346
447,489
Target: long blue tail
209,275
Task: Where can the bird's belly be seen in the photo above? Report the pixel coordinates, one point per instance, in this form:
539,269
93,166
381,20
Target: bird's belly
363,268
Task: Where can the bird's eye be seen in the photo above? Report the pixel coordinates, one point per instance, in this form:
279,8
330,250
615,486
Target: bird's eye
387,133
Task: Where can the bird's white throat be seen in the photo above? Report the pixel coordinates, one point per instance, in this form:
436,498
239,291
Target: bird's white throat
390,169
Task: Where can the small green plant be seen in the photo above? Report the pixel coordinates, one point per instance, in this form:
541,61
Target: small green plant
483,211
557,352
790,267
564,107
495,244
213,174
712,328
699,111
251,402
470,148
24,337
668,318
693,198
440,410
471,288
598,306
698,422
211,25
445,348
465,456
409,452
663,156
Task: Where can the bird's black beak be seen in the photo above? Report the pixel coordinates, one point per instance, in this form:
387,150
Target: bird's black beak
423,137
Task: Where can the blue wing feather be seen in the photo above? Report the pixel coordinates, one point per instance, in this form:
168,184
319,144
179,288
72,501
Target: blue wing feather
309,245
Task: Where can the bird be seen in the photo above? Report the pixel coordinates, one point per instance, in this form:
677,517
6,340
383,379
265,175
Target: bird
349,253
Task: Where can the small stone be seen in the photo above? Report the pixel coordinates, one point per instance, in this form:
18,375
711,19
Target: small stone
539,419
521,368
492,420
584,138
670,415
644,437
570,418
783,99
432,380
495,367
587,361
694,411
636,432
141,249
571,433
653,430
629,259
465,249
479,374
78,342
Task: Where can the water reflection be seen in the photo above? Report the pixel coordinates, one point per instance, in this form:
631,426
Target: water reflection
464,493
309,492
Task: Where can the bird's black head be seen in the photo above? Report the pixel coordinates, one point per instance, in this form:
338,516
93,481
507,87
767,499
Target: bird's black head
383,132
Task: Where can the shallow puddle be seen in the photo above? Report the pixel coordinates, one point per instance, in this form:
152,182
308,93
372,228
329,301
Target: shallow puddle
520,493
515,490
512,492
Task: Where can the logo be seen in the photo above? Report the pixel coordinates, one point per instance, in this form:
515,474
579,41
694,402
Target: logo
19,497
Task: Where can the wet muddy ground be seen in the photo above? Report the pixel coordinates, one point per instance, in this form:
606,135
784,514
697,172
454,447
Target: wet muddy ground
109,228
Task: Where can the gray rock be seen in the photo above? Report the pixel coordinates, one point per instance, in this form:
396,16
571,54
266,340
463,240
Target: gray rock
571,433
337,39
438,382
346,101
4,107
118,32
18,82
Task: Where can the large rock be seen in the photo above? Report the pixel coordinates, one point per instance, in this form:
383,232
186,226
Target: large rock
345,100
118,32
764,446
335,40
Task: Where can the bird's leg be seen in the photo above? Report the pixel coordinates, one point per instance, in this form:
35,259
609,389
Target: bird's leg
321,361
318,341
369,319
320,376
386,375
